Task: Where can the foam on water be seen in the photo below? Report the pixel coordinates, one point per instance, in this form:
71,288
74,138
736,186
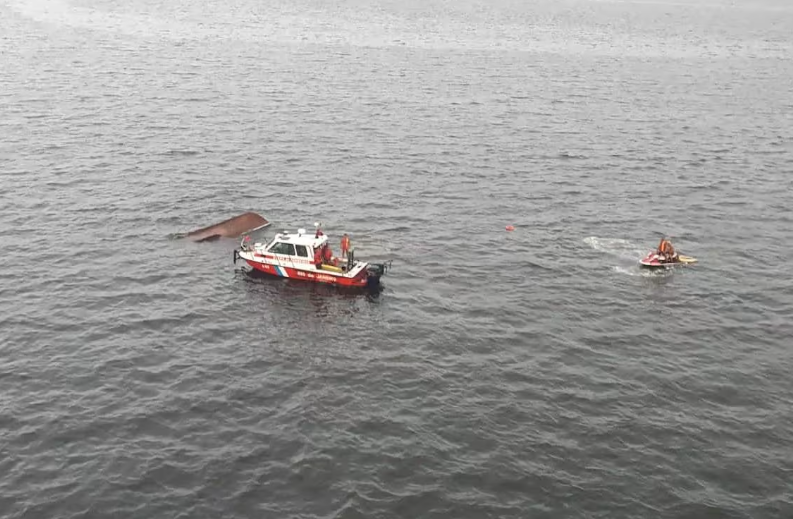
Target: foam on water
617,247
637,271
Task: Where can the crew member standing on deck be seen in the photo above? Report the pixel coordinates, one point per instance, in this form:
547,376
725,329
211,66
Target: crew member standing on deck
345,245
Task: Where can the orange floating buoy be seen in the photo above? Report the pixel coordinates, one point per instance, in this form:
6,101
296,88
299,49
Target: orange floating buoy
510,227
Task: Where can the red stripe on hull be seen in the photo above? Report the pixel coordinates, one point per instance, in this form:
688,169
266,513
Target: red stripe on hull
316,277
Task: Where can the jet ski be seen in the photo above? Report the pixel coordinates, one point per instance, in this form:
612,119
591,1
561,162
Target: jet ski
655,260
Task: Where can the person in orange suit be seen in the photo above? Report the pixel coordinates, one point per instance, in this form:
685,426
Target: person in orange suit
345,245
666,251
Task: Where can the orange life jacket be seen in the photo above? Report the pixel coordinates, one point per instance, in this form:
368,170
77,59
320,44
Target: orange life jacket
345,243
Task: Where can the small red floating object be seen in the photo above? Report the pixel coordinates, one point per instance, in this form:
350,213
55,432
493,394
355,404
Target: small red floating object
510,227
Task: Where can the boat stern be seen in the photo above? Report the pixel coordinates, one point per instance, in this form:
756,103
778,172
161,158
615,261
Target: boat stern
375,271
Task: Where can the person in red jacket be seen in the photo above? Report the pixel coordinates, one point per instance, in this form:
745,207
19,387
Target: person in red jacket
327,255
317,257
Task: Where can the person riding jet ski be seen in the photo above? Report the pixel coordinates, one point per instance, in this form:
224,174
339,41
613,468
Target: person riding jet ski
666,252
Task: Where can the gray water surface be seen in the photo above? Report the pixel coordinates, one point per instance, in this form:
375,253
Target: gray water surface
527,374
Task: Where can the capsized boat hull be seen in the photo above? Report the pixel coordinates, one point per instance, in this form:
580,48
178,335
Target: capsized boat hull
231,228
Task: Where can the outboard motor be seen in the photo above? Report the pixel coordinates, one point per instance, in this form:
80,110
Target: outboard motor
377,270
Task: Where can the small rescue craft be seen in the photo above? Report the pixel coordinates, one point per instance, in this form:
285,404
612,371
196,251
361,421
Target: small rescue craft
300,256
653,259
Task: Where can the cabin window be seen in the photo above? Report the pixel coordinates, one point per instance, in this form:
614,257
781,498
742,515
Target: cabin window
302,251
283,248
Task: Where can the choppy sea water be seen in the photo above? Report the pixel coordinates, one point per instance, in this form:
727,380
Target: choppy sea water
534,373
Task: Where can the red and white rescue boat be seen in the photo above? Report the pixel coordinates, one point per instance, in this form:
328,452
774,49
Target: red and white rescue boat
295,255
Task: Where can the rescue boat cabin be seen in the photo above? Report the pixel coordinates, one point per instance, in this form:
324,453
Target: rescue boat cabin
295,249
